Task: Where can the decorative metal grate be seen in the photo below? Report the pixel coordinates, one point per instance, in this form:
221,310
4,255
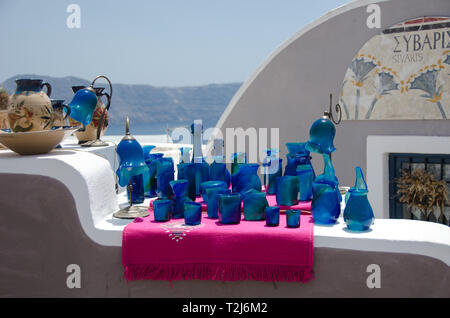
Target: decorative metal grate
436,164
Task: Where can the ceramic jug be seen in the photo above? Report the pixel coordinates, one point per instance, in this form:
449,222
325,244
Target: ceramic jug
30,108
90,132
58,111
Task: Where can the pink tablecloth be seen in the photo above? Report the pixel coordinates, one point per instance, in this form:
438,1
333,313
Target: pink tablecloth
212,251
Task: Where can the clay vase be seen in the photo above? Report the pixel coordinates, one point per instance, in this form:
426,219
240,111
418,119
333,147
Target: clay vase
58,111
30,109
90,132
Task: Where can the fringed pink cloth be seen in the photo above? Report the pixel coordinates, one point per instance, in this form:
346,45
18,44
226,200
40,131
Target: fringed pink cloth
212,251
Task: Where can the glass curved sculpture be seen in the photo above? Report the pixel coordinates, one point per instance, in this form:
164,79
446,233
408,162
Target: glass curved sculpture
179,188
212,201
273,168
230,208
164,174
246,178
328,176
358,213
321,136
287,190
254,206
192,213
83,104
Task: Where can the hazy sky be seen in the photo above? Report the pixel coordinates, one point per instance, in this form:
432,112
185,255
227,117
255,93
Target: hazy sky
162,43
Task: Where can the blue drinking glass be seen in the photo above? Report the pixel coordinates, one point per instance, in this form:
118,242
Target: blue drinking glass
293,218
272,216
358,213
137,189
321,136
255,204
212,201
192,213
246,178
162,210
230,208
164,174
179,188
306,179
218,172
325,205
287,190
209,185
187,171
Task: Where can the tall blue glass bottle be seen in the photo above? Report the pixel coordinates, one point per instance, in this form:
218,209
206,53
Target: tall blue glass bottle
273,168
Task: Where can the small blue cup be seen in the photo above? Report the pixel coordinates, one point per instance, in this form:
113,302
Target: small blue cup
230,208
293,218
162,210
272,216
192,213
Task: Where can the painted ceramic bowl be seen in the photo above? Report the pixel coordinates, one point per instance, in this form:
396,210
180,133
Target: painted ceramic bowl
35,142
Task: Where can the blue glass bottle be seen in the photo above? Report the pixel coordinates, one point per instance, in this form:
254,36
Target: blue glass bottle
273,168
137,192
272,216
147,177
151,186
230,208
254,206
358,213
164,174
212,201
298,155
218,172
192,213
293,218
287,190
246,178
306,178
179,188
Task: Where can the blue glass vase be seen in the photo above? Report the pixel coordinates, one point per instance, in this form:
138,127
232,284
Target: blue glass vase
293,218
162,210
321,136
179,188
237,159
246,178
272,216
187,172
254,206
230,208
328,176
218,172
358,213
209,185
131,160
298,155
305,178
287,190
325,205
137,192
164,174
273,168
192,213
212,201
150,181
147,177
